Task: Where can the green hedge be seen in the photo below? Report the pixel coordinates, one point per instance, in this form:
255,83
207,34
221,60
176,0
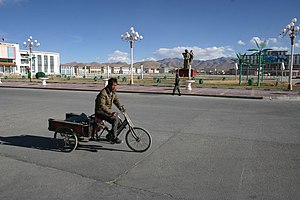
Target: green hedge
40,75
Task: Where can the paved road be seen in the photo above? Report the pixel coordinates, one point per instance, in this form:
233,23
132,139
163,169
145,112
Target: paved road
203,148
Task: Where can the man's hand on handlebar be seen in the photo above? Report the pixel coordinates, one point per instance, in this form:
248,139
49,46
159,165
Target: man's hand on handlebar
122,108
115,114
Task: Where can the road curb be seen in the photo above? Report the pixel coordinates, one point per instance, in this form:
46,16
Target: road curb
137,92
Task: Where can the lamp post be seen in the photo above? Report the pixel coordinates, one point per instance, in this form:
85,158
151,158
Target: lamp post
107,72
84,75
142,72
282,69
292,31
107,76
236,68
31,43
132,36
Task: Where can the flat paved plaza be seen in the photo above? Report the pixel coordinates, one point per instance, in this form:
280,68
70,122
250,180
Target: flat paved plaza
203,148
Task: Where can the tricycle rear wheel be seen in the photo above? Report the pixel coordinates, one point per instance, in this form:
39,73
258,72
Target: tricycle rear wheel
65,139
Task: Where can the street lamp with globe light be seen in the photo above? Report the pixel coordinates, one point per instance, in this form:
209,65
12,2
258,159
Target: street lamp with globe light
132,36
292,31
30,43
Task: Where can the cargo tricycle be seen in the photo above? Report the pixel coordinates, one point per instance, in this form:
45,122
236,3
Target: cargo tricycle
67,134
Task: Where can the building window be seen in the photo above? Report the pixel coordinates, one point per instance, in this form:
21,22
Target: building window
66,70
297,59
33,63
39,61
24,61
46,63
52,64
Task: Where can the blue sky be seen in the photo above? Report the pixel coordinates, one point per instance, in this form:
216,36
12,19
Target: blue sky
90,30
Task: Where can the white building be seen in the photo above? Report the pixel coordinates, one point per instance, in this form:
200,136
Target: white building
15,61
47,62
80,70
9,57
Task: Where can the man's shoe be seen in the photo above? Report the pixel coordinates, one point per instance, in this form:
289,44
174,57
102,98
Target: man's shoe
109,137
92,139
116,141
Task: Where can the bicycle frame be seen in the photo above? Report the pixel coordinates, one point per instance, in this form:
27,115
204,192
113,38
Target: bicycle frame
122,126
126,122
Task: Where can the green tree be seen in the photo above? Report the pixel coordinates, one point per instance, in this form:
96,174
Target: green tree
260,51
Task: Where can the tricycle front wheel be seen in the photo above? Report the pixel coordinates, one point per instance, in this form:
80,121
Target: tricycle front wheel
66,140
138,139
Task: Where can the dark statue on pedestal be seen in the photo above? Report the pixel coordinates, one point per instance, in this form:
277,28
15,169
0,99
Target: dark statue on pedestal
187,62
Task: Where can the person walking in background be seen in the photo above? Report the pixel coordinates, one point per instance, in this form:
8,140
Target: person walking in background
176,85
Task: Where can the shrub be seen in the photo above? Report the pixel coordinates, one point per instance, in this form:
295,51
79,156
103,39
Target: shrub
96,78
251,81
40,75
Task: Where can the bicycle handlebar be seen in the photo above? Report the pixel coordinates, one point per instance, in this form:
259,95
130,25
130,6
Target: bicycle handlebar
122,109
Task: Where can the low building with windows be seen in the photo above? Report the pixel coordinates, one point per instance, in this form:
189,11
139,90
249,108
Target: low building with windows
47,62
94,70
13,60
9,58
271,63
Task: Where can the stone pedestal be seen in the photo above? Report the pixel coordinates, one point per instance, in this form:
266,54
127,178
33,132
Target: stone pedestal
105,82
189,84
44,81
185,72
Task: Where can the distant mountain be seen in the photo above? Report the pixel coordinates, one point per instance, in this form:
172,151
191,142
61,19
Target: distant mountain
172,62
218,63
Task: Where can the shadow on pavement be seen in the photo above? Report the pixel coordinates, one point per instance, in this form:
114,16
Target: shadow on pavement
46,143
30,141
95,148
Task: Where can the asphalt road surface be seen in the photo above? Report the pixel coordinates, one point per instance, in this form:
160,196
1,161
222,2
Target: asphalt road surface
203,148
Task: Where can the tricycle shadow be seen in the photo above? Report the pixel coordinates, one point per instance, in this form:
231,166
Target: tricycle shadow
30,141
95,148
48,144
